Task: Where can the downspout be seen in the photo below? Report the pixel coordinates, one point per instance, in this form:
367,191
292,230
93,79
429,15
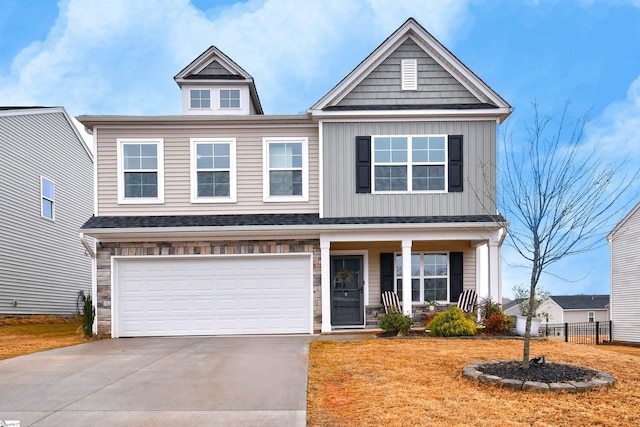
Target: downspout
94,283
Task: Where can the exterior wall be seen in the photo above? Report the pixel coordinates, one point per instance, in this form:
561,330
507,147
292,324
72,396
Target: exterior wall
625,280
479,157
383,85
43,265
554,311
177,171
107,250
579,316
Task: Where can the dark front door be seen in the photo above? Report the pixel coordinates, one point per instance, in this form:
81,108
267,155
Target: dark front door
347,307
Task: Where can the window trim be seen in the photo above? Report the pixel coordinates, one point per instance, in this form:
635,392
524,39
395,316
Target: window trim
159,142
232,198
211,103
409,164
266,184
239,107
43,198
422,276
591,316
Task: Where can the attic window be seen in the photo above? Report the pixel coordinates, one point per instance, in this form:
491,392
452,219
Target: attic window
200,98
409,74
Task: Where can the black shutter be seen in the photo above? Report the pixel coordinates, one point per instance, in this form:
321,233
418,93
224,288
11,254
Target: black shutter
455,163
386,272
456,271
363,164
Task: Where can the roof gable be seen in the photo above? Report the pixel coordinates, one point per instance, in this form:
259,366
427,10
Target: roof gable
213,66
439,72
628,217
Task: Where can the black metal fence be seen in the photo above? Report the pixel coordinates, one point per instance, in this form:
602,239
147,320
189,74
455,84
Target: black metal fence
590,333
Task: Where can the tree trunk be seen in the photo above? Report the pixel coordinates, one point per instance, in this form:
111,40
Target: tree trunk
530,312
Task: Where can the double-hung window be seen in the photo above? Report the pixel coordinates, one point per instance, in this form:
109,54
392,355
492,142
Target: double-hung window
229,98
591,316
140,171
200,98
410,163
47,198
286,167
213,170
429,277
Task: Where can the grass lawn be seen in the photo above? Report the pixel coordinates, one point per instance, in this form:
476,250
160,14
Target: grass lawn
38,333
418,382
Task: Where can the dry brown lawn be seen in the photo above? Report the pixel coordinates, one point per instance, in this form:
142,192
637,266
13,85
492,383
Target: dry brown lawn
38,333
418,382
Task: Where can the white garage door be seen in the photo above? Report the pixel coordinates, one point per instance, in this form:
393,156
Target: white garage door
212,296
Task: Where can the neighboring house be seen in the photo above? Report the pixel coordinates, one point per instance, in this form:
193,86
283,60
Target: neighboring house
224,220
569,308
46,193
624,243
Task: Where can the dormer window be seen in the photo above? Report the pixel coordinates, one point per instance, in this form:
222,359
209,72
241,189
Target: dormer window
409,74
200,98
229,98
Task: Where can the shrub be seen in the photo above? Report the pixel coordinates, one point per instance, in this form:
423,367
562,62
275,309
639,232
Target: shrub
396,323
452,323
88,314
488,308
497,324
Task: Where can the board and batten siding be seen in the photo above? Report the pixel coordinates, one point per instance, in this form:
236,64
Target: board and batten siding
43,265
625,280
383,86
177,179
479,175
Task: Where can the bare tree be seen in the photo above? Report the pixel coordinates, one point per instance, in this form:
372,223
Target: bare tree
559,195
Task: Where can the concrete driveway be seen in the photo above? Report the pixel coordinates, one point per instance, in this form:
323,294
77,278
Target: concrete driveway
190,381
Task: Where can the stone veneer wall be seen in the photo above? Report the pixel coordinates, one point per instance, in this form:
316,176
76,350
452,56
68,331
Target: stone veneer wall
107,250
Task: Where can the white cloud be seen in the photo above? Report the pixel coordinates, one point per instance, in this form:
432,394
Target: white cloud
119,57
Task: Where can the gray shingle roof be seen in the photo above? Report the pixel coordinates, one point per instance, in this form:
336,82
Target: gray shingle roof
123,222
581,302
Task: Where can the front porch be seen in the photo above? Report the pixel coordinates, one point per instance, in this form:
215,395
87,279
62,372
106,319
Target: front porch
356,267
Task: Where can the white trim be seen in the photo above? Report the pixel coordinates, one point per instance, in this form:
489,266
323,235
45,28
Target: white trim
232,198
497,114
409,165
49,199
320,168
159,142
409,74
115,288
96,204
266,197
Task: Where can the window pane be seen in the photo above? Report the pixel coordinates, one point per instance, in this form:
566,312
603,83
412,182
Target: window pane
399,288
213,184
415,290
419,150
415,265
140,156
204,162
285,155
200,98
428,178
221,149
390,178
47,208
399,265
47,188
285,183
149,163
204,150
141,184
435,265
148,150
131,150
435,289
398,150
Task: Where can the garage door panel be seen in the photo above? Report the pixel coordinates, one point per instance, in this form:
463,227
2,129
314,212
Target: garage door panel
213,296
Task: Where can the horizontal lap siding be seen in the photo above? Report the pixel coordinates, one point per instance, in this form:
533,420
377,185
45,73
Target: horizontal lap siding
479,159
625,280
383,85
177,182
43,265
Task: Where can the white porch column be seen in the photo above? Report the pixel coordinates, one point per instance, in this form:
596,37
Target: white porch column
406,277
325,284
495,287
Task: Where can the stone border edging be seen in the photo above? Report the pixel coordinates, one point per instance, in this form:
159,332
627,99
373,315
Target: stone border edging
474,373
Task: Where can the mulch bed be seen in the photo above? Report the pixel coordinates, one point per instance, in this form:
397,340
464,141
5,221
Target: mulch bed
541,372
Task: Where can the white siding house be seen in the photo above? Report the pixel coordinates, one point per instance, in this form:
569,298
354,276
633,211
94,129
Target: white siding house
624,243
46,194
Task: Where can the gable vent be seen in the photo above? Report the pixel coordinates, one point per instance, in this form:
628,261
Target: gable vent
409,74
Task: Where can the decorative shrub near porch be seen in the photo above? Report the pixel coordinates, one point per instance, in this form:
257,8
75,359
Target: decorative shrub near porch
452,323
396,323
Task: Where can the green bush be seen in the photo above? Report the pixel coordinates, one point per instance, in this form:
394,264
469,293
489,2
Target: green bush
452,323
88,314
488,308
396,323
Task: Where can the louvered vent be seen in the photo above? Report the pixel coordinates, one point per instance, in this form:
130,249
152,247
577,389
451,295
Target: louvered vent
409,74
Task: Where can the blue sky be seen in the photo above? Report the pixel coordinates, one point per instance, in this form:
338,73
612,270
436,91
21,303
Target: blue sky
120,56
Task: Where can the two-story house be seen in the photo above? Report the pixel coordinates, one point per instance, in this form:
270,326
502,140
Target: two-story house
224,220
46,194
